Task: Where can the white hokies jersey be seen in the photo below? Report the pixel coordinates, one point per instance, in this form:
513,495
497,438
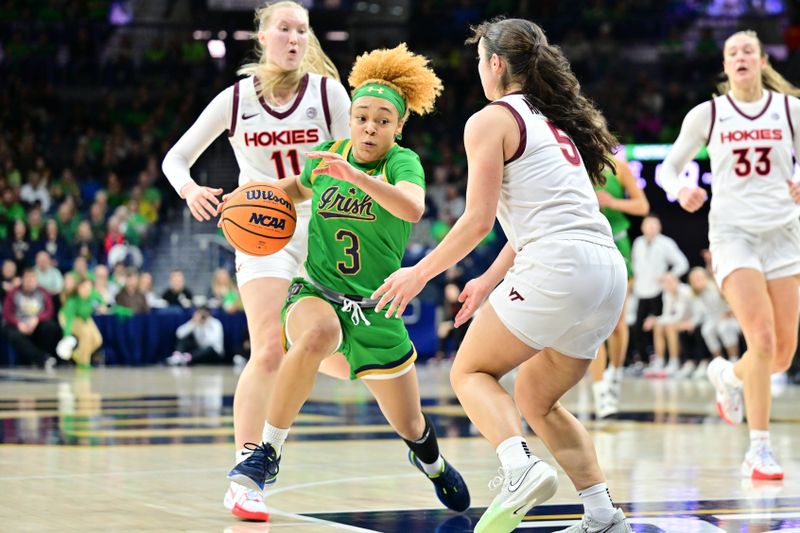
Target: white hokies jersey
751,160
546,191
269,143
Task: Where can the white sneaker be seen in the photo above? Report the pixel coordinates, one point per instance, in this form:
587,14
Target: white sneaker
656,369
760,463
245,503
605,404
613,377
686,370
700,371
778,384
673,367
730,403
618,524
520,489
178,359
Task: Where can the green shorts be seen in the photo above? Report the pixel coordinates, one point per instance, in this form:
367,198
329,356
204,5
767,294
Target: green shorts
381,350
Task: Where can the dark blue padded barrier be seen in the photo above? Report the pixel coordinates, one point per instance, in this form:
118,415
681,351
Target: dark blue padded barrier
149,338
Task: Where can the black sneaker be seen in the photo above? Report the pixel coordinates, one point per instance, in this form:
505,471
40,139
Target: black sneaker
450,487
260,469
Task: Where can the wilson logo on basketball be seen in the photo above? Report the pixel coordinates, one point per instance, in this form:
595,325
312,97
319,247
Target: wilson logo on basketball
267,221
269,196
276,138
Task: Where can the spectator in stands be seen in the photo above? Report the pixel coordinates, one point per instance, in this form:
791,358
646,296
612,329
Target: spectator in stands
56,246
146,288
223,292
86,243
35,191
676,327
107,290
35,224
652,256
29,325
177,294
67,219
10,211
80,270
48,276
199,341
80,330
718,322
9,280
130,296
19,249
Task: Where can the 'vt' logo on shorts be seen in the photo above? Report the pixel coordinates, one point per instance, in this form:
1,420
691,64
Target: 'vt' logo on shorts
514,295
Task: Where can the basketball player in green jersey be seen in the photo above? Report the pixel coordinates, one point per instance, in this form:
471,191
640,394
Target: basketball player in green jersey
366,192
621,196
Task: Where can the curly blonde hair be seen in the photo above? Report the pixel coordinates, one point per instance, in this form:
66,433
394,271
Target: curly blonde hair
404,71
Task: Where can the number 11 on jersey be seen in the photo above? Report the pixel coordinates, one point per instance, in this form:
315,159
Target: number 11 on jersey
294,160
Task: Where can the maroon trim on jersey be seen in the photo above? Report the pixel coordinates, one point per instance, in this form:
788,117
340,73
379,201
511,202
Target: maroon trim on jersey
323,87
713,119
301,91
235,114
788,114
769,101
523,132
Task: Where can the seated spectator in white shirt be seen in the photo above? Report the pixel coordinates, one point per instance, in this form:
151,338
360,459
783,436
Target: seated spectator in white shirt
199,341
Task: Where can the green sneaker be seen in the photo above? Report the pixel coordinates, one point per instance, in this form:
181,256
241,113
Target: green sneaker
520,489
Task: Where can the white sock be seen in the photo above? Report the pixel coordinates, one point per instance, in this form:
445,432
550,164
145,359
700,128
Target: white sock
597,503
513,452
434,468
729,377
758,438
274,436
241,455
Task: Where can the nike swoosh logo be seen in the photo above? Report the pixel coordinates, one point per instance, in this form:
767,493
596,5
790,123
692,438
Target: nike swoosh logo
518,509
512,488
723,119
245,117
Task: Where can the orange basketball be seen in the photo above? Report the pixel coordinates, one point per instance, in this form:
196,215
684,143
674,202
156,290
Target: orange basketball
258,219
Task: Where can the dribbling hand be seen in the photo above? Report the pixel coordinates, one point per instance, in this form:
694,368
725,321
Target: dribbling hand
794,190
334,165
692,199
220,207
202,201
471,298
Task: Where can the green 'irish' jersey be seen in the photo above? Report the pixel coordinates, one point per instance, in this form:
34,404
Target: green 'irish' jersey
354,243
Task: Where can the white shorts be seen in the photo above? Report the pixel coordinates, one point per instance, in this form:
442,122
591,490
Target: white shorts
285,264
775,253
565,295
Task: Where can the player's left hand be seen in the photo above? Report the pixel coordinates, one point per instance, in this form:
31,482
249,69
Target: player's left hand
399,288
334,165
604,199
794,190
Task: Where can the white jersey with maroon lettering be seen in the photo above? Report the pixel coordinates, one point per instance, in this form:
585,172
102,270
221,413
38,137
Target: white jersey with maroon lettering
751,160
546,191
270,143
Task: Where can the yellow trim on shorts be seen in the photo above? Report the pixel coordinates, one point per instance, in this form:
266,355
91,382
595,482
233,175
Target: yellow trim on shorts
394,370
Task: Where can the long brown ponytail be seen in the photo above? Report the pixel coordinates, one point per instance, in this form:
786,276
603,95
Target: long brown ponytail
549,84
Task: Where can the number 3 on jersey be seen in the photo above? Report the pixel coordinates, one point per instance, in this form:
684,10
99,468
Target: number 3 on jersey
352,265
278,156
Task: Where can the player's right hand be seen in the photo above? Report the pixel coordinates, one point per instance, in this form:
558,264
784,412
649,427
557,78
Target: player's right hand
472,297
692,199
202,201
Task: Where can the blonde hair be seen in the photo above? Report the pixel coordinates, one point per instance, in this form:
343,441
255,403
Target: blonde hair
269,75
771,79
403,71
